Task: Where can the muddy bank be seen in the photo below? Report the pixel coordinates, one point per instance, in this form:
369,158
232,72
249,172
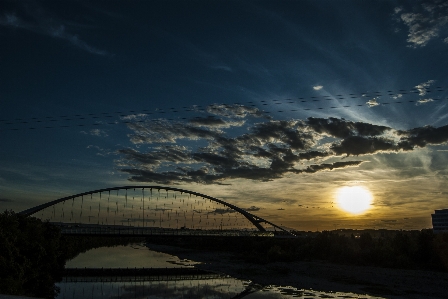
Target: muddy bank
322,276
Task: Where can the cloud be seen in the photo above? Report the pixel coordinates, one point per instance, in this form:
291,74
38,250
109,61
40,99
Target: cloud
359,145
151,160
289,133
312,155
421,137
234,111
342,128
212,121
316,168
38,21
134,117
253,209
222,211
372,103
422,87
424,101
425,22
264,154
5,200
95,132
318,87
61,33
167,177
100,151
163,131
209,151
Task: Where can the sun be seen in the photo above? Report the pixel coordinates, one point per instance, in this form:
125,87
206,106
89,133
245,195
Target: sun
355,199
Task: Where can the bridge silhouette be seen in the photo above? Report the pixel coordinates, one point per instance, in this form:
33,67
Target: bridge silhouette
138,283
151,211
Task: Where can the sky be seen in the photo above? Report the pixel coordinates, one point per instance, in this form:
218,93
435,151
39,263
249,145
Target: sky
269,104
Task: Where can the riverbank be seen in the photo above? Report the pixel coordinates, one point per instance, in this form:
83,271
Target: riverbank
321,276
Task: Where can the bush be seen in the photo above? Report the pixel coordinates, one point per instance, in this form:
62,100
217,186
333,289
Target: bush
31,259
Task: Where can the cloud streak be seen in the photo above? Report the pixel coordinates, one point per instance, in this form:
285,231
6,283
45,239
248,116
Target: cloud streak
37,21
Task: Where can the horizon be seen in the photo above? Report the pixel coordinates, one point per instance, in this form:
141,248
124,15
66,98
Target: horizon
314,119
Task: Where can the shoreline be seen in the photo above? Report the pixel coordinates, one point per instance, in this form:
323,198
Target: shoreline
320,275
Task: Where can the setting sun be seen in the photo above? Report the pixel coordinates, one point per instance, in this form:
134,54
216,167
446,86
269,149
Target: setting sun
354,200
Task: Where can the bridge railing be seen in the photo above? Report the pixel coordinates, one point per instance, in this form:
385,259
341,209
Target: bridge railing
136,231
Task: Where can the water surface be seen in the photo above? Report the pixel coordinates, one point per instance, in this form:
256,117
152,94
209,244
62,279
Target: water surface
130,256
138,255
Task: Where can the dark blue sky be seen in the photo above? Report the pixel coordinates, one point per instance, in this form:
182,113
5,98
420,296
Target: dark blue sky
71,65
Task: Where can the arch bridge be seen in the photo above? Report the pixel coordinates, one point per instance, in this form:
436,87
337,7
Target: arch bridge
151,210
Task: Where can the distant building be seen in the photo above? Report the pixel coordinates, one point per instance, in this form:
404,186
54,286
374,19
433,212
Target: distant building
440,221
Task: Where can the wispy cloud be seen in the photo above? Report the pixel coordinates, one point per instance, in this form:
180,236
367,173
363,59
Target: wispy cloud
95,132
60,32
39,22
100,151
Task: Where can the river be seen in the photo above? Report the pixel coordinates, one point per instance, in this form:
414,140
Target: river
178,286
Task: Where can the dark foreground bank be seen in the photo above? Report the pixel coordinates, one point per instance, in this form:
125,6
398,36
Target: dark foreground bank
419,250
320,275
33,254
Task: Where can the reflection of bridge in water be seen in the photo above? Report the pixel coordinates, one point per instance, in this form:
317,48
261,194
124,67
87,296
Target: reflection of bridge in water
137,274
156,282
150,211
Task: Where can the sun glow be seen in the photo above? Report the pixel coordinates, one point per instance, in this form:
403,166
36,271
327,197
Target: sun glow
355,200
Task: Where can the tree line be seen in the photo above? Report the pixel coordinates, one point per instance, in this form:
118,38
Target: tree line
33,254
399,249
